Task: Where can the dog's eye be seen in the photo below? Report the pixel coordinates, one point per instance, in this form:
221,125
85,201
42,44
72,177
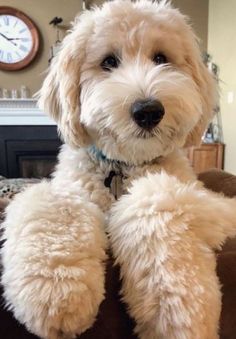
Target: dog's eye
160,59
111,61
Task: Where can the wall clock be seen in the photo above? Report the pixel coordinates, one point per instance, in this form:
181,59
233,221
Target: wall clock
19,39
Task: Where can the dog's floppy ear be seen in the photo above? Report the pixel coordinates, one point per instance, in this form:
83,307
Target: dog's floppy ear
60,93
207,87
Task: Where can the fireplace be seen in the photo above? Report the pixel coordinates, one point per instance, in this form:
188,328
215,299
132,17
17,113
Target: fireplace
29,142
28,151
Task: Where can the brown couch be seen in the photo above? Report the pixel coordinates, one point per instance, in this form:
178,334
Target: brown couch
113,321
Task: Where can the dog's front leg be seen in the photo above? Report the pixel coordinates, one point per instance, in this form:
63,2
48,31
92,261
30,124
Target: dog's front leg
168,272
53,261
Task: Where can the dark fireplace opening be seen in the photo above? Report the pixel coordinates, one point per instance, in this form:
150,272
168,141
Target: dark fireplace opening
28,151
36,166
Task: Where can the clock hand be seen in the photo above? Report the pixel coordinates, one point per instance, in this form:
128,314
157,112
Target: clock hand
5,37
21,39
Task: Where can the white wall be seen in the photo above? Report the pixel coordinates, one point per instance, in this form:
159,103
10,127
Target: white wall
222,46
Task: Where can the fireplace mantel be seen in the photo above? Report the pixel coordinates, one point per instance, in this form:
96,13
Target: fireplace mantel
22,112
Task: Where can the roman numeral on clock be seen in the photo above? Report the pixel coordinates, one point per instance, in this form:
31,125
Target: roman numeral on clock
9,57
18,54
23,48
6,20
23,30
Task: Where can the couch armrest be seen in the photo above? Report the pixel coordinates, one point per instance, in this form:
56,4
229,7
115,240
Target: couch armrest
219,181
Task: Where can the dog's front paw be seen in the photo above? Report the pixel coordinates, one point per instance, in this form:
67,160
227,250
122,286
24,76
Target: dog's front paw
53,262
166,269
59,309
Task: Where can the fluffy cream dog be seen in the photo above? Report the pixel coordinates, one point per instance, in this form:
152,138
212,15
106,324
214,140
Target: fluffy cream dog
128,91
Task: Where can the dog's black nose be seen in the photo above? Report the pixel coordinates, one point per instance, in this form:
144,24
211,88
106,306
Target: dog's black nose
147,113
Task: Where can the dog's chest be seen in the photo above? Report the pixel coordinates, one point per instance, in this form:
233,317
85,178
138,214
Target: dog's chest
106,185
109,180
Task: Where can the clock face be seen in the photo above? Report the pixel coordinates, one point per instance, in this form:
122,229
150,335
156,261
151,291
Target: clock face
16,40
19,39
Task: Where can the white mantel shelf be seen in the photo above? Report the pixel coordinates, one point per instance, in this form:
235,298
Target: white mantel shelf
22,112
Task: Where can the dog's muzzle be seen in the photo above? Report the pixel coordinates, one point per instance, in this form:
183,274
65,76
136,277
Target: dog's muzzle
147,113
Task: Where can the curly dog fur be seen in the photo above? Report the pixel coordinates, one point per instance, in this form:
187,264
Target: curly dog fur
164,228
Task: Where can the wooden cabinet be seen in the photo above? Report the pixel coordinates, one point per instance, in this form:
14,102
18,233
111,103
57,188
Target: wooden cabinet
206,156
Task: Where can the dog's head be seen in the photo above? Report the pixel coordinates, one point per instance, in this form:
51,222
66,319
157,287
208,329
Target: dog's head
130,79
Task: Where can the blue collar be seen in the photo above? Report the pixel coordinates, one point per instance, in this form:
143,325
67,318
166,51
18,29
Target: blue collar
95,152
99,156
